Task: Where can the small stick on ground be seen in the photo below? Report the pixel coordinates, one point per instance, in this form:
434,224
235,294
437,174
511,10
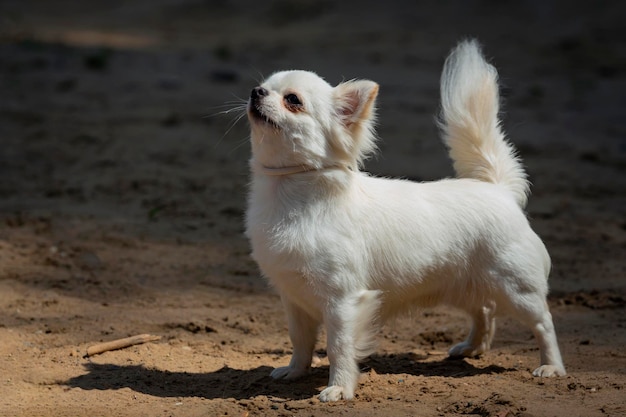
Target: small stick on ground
120,344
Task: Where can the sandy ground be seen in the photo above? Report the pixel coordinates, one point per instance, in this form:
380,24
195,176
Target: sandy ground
122,192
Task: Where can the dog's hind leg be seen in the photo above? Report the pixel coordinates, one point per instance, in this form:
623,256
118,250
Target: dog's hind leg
303,333
481,335
532,310
536,315
551,361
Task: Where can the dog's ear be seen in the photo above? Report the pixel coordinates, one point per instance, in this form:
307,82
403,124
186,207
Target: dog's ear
354,101
355,107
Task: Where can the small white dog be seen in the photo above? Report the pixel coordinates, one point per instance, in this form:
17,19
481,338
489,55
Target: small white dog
349,250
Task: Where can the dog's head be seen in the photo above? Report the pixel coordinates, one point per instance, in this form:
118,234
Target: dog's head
298,119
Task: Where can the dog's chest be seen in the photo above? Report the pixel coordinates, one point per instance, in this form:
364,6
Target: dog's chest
286,246
282,239
291,234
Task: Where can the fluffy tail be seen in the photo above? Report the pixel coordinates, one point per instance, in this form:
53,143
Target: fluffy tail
470,125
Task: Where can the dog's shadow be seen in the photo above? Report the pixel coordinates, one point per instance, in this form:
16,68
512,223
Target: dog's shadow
243,384
412,364
223,383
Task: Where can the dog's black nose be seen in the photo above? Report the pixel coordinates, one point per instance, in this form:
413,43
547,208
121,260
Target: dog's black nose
258,92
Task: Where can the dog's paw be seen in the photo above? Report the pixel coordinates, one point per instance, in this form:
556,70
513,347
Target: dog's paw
466,350
287,372
548,371
334,393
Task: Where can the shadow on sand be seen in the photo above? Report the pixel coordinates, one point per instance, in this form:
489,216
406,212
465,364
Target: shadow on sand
242,384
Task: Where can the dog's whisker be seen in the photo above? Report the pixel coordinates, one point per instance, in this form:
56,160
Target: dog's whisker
242,142
228,110
230,127
261,78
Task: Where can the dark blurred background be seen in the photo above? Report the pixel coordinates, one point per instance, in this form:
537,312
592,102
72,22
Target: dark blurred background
126,110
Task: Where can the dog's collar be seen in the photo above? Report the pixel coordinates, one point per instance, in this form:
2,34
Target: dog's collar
294,169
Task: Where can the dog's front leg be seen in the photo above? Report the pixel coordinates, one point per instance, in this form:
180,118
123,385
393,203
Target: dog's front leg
351,326
303,334
344,371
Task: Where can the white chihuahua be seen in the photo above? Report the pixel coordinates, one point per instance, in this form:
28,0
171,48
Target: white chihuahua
350,250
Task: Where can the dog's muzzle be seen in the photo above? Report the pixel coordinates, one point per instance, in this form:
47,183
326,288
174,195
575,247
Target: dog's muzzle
255,105
258,93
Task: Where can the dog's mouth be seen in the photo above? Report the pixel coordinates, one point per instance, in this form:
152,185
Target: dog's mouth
257,114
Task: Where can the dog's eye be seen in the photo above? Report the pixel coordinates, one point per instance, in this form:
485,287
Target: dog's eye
292,100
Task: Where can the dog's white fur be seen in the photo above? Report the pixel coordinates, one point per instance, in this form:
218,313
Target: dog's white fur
350,250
